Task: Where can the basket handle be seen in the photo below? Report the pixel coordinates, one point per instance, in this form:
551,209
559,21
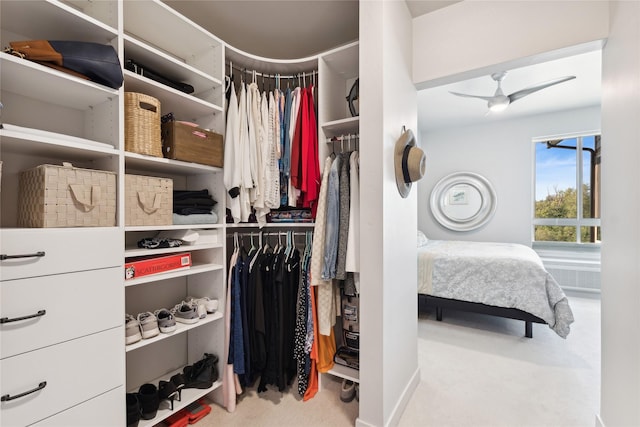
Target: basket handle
157,197
78,191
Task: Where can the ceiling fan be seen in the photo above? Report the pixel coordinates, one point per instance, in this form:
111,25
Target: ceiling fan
499,101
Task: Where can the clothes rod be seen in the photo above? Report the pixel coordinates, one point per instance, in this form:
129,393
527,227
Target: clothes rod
274,75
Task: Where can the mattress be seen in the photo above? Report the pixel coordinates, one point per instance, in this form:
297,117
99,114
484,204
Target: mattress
498,274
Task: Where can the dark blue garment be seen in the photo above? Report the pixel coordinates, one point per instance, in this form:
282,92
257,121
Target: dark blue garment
236,318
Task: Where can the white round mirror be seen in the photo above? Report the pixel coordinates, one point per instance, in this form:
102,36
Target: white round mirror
463,201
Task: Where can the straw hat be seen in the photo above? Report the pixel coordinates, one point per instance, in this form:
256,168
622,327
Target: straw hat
410,162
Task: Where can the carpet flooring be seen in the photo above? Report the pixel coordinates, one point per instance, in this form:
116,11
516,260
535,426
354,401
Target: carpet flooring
476,371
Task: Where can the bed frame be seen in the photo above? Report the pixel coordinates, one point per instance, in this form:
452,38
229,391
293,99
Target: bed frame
429,301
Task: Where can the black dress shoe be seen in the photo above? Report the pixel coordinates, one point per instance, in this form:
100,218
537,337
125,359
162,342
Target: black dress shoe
149,401
133,410
167,391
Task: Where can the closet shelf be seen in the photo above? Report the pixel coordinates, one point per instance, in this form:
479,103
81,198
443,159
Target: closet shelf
53,20
174,68
143,19
172,227
131,252
194,269
345,372
161,165
189,395
180,328
36,81
23,140
184,106
350,125
273,225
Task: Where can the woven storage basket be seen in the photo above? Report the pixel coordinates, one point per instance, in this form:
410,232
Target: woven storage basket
142,124
64,196
148,200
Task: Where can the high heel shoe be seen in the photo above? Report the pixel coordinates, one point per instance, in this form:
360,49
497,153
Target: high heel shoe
178,381
167,391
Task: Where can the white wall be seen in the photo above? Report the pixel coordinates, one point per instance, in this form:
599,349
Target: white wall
502,152
388,222
474,38
620,386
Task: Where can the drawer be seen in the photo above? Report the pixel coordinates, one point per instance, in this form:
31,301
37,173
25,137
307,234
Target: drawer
64,249
75,305
74,372
106,410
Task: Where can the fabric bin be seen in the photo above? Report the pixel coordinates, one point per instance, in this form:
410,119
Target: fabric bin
181,141
65,196
142,124
148,200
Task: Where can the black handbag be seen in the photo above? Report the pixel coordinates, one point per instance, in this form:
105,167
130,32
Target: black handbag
93,61
144,71
203,373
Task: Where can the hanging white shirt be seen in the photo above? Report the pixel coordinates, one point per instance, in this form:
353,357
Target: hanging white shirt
247,181
232,162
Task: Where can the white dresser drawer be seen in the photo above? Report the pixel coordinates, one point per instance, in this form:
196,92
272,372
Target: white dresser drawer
45,251
72,305
74,372
106,410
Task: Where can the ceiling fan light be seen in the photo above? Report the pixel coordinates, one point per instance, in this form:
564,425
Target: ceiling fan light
497,107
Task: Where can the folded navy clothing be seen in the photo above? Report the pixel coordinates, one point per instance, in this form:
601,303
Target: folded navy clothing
191,211
187,194
200,201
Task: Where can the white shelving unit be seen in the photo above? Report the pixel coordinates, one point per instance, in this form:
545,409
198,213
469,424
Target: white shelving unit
191,55
338,70
50,117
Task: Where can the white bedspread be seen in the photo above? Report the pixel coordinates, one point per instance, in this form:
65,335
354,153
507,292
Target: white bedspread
498,274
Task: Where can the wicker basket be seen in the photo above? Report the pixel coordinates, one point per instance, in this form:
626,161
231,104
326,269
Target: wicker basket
142,124
148,200
64,196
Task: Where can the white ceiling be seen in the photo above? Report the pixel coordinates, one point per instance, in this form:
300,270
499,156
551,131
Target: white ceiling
438,108
287,29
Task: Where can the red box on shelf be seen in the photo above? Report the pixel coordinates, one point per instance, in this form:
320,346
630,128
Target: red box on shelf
153,264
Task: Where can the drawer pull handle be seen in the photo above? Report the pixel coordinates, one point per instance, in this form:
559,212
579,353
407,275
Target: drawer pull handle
16,319
8,397
37,254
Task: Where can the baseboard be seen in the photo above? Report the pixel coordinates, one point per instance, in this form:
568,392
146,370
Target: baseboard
599,422
401,405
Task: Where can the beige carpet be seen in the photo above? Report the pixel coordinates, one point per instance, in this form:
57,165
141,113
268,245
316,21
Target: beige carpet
476,371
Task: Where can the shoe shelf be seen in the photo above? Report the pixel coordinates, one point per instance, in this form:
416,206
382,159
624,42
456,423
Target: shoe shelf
131,252
180,328
273,225
345,372
172,227
189,395
189,271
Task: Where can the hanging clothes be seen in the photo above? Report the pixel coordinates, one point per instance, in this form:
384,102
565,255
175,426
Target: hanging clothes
232,156
353,240
245,158
332,222
343,218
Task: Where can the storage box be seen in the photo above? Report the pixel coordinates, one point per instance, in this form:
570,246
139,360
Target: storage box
142,124
153,264
65,196
148,200
181,141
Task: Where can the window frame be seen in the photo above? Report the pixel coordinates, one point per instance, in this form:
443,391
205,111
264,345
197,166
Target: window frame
579,221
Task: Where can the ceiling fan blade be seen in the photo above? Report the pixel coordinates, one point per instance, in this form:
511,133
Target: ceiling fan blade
486,98
531,89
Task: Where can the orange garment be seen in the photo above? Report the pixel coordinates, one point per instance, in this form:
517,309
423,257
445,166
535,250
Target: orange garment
326,351
312,388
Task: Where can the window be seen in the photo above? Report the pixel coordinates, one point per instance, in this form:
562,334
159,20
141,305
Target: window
567,190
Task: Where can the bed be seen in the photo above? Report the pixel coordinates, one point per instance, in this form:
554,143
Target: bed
501,279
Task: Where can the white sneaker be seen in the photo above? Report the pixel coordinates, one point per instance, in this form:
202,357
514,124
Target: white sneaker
210,304
148,324
186,313
131,329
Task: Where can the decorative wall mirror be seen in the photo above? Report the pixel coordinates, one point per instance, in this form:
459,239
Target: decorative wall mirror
463,201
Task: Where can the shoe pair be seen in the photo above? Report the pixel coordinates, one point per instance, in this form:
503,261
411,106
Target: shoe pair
348,390
186,312
206,305
144,326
